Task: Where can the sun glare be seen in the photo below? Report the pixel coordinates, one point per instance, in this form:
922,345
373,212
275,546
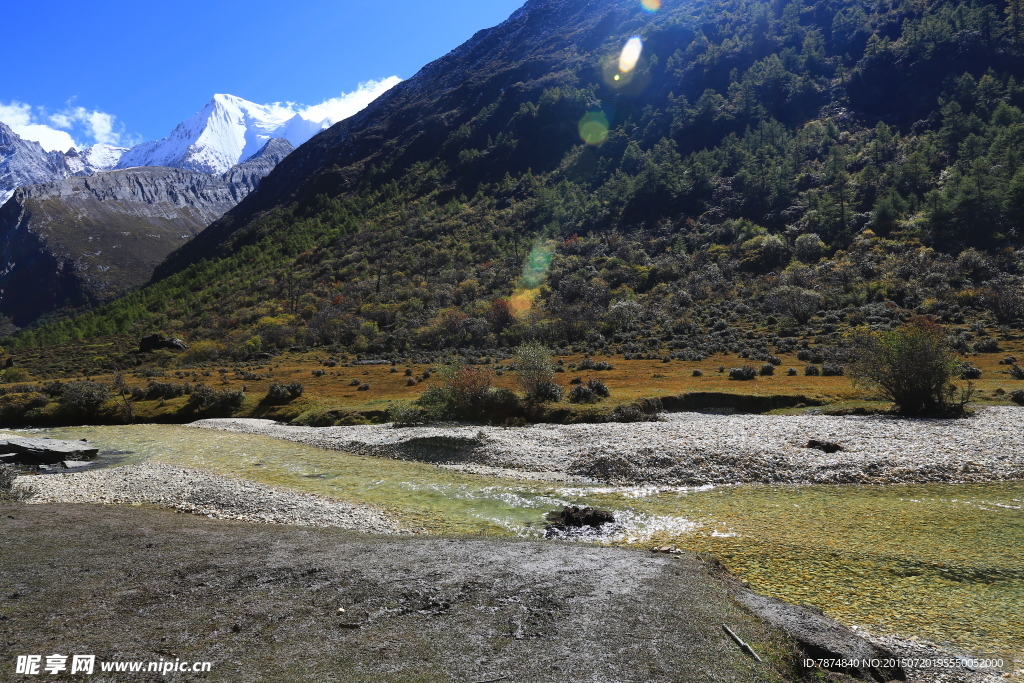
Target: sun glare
651,5
630,54
593,128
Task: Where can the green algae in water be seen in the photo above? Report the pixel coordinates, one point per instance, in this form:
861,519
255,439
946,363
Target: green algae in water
942,562
420,495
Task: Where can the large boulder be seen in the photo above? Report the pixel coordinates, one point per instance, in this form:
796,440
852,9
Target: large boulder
155,342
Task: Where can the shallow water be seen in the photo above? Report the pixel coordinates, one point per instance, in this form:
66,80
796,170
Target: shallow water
941,562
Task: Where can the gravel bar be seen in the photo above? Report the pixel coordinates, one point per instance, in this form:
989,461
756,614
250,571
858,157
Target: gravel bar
204,493
697,448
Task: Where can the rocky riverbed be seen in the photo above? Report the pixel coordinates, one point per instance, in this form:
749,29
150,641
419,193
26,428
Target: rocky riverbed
697,448
204,493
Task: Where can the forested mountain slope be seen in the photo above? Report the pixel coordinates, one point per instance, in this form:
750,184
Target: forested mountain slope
792,164
80,241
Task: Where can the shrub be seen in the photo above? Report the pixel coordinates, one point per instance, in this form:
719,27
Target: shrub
319,372
588,364
911,365
203,352
644,410
968,371
207,399
410,382
1017,396
810,355
808,247
746,372
989,345
83,399
16,375
590,392
157,390
796,302
279,393
599,388
461,394
466,394
832,370
1016,371
536,373
581,393
791,372
14,406
698,373
546,392
405,414
812,371
767,369
18,389
363,387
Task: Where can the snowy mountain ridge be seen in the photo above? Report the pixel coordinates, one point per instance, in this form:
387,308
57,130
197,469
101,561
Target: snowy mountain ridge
225,132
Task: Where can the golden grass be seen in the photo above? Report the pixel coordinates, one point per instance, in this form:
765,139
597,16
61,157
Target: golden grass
628,381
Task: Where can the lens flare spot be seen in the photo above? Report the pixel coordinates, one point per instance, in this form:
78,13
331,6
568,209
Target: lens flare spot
522,301
630,54
535,271
594,128
650,5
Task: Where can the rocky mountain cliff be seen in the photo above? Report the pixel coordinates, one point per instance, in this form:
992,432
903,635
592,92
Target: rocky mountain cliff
24,162
83,240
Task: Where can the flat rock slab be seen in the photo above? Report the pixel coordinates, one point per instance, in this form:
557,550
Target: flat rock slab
821,637
281,603
41,451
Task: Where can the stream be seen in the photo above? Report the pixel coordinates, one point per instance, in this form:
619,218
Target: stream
942,562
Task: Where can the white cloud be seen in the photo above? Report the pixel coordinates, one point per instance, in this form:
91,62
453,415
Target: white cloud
337,108
71,127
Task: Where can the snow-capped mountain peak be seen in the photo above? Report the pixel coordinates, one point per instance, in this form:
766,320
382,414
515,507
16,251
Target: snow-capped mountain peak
226,131
99,157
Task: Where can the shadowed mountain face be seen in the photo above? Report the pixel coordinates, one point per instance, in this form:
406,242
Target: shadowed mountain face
80,241
544,45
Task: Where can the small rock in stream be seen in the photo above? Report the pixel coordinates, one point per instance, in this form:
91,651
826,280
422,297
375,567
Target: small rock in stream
573,517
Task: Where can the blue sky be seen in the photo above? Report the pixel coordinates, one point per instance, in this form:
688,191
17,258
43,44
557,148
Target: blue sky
123,72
